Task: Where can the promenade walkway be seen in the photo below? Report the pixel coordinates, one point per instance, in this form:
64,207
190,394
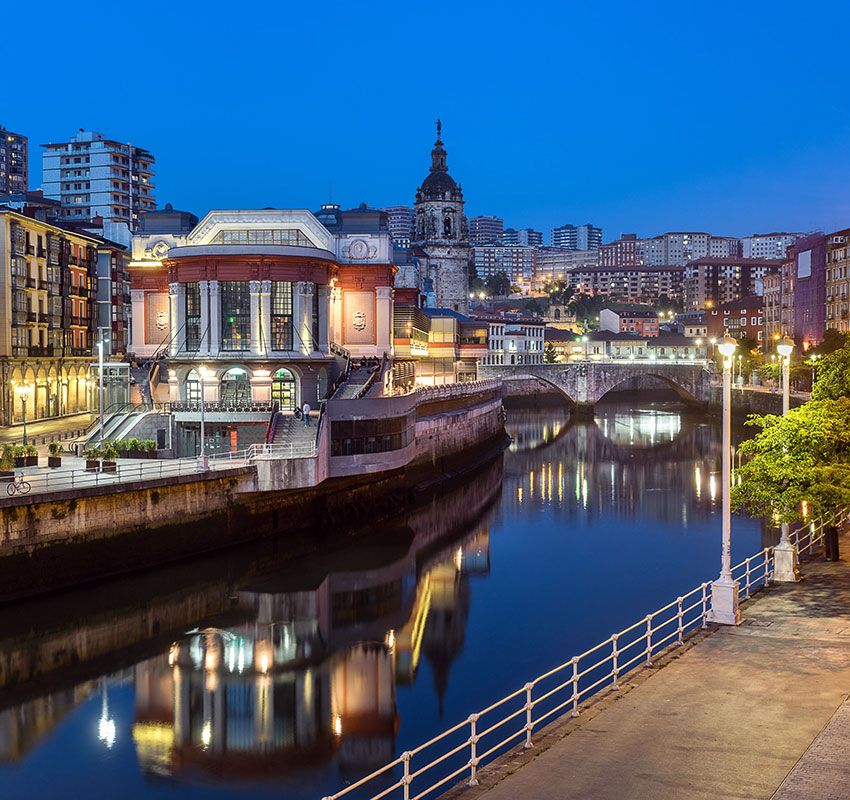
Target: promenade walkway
738,714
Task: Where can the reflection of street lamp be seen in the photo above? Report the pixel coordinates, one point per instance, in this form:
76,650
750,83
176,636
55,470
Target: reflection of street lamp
23,390
785,553
724,591
105,725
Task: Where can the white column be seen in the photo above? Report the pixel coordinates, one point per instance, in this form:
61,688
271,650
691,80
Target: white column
266,315
177,298
335,316
384,320
302,317
204,347
215,318
137,326
257,345
324,317
173,322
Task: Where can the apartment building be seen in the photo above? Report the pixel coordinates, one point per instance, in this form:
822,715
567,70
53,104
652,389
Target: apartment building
485,230
640,321
400,220
838,281
513,339
46,320
681,247
742,318
524,236
93,176
14,169
577,237
516,261
712,280
554,263
768,245
626,251
635,283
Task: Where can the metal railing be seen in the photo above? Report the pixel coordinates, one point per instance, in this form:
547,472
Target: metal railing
462,749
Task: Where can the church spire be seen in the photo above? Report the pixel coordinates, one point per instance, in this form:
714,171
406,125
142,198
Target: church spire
438,154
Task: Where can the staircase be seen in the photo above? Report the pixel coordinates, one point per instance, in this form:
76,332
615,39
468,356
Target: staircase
356,383
293,431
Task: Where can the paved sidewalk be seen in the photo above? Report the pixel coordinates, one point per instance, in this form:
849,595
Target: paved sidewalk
731,717
48,430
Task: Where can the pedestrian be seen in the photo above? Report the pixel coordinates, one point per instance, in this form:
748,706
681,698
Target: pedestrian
306,411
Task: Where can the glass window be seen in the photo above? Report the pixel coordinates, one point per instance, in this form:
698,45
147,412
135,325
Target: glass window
235,386
281,321
272,236
283,389
193,317
235,315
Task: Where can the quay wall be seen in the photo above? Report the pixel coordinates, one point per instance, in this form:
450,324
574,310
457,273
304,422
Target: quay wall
70,537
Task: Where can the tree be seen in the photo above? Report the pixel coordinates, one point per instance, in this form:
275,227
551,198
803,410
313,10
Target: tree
534,306
499,284
477,286
804,455
586,307
549,353
832,340
833,375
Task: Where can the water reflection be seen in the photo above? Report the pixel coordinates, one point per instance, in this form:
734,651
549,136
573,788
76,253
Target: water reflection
262,675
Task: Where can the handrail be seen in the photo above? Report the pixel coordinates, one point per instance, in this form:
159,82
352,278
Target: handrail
575,680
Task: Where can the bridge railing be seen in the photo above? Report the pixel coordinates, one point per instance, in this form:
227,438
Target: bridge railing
461,750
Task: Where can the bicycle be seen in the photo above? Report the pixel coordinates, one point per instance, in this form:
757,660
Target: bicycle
18,486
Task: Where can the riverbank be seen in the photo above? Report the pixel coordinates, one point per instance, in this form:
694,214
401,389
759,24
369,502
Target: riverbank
71,535
763,693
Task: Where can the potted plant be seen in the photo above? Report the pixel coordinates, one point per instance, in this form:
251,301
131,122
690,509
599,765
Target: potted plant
134,449
93,456
30,453
109,454
148,446
55,458
121,448
7,461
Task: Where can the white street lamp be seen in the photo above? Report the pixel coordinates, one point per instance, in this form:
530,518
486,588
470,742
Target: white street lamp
23,392
724,591
785,553
203,461
785,348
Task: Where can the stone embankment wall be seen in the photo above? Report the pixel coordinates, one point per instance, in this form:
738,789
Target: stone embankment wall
752,401
69,537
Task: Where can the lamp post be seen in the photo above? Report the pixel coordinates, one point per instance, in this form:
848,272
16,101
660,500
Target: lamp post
724,591
100,380
23,390
203,461
785,553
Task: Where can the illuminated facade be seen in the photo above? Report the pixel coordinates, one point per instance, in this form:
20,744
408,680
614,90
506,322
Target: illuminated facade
259,298
46,318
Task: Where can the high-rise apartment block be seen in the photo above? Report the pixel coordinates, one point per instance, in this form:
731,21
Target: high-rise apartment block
13,162
680,248
524,236
768,245
516,261
485,230
577,237
92,176
400,221
555,263
626,251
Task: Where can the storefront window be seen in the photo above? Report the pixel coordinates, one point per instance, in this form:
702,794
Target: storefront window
281,322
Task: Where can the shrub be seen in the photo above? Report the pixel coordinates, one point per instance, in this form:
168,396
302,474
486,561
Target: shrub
30,450
55,449
133,444
7,459
110,451
92,452
148,445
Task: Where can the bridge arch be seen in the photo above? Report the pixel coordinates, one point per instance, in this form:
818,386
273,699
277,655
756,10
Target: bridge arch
611,384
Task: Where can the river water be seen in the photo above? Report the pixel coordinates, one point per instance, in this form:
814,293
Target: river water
250,676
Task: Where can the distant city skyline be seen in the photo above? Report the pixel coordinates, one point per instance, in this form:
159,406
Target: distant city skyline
706,146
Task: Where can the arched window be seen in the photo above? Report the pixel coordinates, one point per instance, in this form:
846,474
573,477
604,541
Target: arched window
193,387
235,386
283,389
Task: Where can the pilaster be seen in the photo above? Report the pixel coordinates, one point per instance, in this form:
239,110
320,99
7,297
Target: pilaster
204,346
266,316
215,317
324,317
384,320
256,334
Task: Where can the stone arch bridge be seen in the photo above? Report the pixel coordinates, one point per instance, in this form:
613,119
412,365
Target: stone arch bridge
585,383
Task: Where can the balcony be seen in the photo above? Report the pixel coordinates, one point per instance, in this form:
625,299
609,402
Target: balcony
30,250
37,351
79,321
42,253
32,283
78,351
32,316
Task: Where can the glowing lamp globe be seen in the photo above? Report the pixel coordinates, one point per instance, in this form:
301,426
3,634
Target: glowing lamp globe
785,347
727,346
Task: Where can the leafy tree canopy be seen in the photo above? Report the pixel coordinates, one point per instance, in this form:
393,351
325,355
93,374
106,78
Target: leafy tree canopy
804,455
833,375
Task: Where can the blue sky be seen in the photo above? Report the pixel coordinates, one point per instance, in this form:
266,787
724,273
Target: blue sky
653,116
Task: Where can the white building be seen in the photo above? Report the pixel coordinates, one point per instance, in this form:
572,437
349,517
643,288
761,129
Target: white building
577,237
679,248
92,176
512,339
525,236
485,230
554,263
767,245
401,224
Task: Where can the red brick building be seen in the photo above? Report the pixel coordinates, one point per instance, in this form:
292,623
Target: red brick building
742,317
